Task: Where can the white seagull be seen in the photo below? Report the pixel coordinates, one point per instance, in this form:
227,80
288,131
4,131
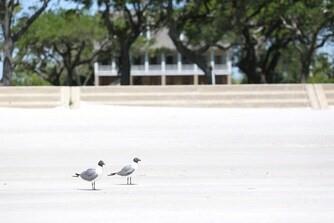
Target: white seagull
91,174
128,170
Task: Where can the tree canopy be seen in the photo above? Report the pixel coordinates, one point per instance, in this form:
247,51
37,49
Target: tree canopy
14,23
270,41
60,44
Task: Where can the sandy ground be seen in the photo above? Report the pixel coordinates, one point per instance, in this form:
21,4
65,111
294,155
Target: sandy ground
198,165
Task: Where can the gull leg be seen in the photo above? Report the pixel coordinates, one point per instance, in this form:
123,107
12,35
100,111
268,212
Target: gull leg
130,180
92,185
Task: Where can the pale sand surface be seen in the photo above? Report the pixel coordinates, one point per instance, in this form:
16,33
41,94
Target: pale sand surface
198,165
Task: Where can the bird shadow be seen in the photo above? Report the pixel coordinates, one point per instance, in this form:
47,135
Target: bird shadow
127,184
85,189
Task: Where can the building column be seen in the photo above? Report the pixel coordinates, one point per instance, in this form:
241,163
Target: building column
229,68
163,62
96,74
131,80
146,62
196,81
163,68
212,58
113,64
196,74
228,79
212,64
179,62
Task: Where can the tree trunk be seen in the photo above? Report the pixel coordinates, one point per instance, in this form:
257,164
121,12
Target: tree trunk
69,70
269,67
8,48
76,76
7,64
124,64
206,69
305,67
248,64
263,78
10,37
304,73
209,75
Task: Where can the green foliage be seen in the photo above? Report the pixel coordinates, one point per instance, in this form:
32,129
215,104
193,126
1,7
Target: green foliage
322,66
28,79
311,23
323,70
320,78
14,23
62,46
289,65
65,26
275,41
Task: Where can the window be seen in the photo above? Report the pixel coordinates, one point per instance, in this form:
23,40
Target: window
218,59
185,60
154,60
170,59
137,60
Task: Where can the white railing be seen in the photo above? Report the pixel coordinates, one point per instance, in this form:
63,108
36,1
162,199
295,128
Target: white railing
220,67
157,70
189,67
138,68
104,67
155,67
171,67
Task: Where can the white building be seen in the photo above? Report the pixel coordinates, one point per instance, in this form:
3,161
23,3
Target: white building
167,67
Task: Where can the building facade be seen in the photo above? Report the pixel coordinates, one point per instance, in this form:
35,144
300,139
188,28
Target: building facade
167,67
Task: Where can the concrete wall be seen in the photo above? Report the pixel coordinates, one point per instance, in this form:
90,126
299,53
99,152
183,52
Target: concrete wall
34,96
317,96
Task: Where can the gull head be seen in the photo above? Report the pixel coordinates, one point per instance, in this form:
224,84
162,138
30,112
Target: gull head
101,163
136,160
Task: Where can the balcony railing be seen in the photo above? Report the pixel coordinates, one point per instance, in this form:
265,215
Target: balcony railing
160,69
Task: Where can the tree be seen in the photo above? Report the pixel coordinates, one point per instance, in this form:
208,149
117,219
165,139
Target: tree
289,65
125,21
262,38
195,21
62,43
312,23
322,69
12,31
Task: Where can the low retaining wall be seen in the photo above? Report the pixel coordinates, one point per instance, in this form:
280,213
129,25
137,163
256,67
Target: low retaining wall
317,96
34,96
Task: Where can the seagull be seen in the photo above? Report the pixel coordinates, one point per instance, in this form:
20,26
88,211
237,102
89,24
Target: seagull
128,170
91,174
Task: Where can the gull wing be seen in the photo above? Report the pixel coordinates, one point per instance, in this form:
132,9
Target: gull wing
89,174
125,171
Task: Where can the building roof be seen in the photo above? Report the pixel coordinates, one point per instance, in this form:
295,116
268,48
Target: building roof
161,40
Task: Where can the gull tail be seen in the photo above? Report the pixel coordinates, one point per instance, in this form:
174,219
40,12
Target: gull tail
76,175
112,174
